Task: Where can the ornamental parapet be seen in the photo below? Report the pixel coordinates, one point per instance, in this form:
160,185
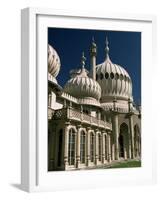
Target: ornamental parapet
76,115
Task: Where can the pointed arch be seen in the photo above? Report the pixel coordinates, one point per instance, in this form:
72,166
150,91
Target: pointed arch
124,141
137,141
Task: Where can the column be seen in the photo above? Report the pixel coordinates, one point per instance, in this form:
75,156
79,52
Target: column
116,135
88,146
66,136
96,147
78,147
109,146
129,145
131,135
112,146
103,147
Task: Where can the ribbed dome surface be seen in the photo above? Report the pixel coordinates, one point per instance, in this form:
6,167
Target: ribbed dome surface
81,86
53,61
114,81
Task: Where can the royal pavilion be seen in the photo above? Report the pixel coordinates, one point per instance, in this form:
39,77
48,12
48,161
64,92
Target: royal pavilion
93,120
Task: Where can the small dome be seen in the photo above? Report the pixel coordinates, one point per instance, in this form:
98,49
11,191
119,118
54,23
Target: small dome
53,61
81,86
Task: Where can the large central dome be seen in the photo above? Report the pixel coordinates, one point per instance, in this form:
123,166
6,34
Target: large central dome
114,80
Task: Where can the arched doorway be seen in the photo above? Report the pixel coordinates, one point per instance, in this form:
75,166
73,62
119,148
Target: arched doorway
137,141
121,146
123,141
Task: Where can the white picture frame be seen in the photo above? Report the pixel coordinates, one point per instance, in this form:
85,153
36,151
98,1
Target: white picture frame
34,177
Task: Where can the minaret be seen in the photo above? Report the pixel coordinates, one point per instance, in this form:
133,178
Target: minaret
106,48
93,54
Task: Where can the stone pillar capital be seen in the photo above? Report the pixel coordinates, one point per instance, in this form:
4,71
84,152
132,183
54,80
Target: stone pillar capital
79,126
97,131
67,124
88,128
103,132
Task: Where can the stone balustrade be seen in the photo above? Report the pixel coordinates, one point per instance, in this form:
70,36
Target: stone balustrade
76,115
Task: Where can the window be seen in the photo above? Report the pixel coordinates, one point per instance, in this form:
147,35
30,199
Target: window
101,76
71,147
92,147
99,147
82,146
121,77
117,76
106,75
111,75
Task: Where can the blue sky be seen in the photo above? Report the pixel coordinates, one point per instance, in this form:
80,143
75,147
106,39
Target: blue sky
125,50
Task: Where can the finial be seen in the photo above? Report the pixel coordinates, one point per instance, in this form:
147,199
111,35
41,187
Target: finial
83,60
93,39
106,47
93,42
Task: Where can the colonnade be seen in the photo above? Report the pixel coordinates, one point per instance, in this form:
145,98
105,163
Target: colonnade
91,147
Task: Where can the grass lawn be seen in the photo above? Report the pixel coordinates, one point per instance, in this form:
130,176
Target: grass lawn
124,164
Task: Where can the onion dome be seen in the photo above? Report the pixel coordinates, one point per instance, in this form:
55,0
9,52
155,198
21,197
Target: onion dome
53,62
83,87
114,80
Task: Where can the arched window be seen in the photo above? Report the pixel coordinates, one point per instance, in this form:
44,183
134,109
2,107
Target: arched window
92,147
82,146
117,76
99,147
105,142
106,75
71,147
111,75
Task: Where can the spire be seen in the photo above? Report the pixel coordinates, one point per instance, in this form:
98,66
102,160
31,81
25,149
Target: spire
93,49
106,48
83,60
93,42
